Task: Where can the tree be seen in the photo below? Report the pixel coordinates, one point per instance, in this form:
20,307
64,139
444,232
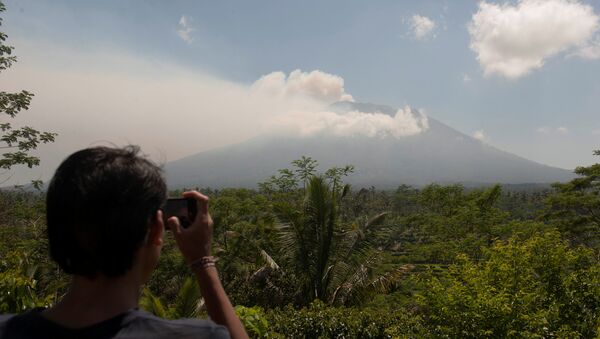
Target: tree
305,168
537,287
332,262
330,258
17,142
575,207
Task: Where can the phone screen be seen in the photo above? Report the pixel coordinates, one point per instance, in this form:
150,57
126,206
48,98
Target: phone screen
184,209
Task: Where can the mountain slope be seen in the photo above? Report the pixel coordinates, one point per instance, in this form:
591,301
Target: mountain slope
439,154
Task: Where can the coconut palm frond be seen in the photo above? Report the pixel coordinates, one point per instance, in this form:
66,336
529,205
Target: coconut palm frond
269,260
375,221
353,277
355,281
322,219
293,245
152,304
347,242
200,306
379,284
296,254
347,256
186,303
330,262
382,283
337,278
340,272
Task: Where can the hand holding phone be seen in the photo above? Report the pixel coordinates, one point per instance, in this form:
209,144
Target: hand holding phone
194,241
185,209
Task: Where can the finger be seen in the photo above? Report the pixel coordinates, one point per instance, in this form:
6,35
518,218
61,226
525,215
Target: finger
159,219
175,227
201,199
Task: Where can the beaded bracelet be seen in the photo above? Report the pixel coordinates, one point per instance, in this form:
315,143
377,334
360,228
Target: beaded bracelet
203,262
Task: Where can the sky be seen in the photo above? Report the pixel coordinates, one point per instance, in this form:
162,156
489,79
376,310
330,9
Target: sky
180,77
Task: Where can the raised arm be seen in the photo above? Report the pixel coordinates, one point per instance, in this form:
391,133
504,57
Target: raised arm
195,245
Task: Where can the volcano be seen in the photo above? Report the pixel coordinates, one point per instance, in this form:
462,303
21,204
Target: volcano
439,154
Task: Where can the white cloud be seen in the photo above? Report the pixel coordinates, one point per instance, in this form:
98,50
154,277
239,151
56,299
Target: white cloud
550,130
480,135
304,98
421,26
185,30
543,130
404,123
511,40
589,51
596,132
466,78
316,85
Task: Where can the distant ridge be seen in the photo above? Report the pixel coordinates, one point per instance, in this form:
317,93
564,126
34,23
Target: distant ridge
439,154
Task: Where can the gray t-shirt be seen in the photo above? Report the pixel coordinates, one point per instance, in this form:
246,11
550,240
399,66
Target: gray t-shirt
131,324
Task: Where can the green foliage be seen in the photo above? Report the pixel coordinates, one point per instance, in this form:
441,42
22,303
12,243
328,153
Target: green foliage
441,261
524,205
533,287
289,180
305,168
171,273
331,262
321,321
254,320
444,221
335,175
25,268
187,304
151,303
575,208
6,59
20,208
20,140
18,284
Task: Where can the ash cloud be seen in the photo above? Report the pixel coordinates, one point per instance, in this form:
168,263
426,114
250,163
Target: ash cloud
170,111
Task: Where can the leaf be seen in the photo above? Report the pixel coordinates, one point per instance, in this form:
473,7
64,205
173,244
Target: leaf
270,262
152,304
376,220
188,299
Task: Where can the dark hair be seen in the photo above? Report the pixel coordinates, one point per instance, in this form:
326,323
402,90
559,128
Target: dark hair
99,205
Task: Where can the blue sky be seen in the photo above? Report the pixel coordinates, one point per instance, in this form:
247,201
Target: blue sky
548,112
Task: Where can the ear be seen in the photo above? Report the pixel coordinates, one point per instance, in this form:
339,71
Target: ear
157,227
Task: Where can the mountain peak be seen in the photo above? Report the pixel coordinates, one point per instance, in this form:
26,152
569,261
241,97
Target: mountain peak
438,153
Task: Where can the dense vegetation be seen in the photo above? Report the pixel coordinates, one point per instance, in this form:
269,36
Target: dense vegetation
307,256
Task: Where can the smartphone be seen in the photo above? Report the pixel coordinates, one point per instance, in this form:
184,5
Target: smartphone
183,208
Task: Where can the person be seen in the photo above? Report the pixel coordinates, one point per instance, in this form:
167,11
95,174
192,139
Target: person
105,228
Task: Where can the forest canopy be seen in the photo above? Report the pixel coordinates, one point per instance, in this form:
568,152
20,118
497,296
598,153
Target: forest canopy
306,255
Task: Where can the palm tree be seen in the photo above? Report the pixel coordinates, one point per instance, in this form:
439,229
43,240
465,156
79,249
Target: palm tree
332,263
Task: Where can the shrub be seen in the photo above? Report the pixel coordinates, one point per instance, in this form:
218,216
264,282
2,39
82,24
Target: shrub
536,287
319,321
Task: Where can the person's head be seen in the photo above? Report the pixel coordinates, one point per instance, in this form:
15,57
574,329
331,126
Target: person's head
102,212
